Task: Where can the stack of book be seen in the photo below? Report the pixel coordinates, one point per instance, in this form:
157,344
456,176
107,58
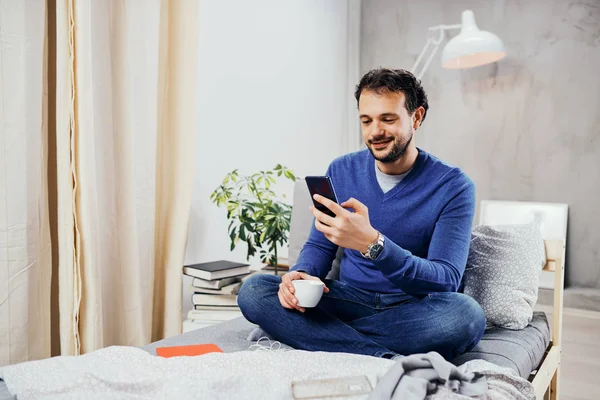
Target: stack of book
215,286
216,283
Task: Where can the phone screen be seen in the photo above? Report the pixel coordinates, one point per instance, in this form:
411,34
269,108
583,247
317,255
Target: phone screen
321,185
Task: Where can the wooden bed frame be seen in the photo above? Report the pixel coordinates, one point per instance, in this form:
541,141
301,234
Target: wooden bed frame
546,380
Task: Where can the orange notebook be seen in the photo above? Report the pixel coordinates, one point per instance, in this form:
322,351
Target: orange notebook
191,350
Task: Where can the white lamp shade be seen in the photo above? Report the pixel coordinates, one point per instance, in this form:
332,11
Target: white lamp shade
472,47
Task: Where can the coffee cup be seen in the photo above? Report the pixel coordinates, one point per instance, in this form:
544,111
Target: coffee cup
308,292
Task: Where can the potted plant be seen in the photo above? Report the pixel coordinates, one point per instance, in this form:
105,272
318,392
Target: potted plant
256,215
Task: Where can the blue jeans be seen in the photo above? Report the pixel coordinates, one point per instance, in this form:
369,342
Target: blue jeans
351,320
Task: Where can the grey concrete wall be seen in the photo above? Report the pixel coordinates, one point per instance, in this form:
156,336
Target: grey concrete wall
526,128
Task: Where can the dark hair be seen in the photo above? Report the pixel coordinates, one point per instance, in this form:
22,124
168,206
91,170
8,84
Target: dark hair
385,80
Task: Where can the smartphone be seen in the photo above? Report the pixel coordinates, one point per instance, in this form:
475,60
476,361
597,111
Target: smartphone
334,387
321,185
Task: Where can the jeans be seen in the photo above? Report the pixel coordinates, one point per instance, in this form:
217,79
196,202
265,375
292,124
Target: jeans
351,320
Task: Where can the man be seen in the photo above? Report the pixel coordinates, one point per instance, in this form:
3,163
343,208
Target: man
405,228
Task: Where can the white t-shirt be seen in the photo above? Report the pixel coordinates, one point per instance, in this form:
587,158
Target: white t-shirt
387,182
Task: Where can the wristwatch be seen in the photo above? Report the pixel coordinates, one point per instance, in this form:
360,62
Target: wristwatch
375,248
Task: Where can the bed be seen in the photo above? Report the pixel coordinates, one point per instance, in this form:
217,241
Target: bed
519,350
533,352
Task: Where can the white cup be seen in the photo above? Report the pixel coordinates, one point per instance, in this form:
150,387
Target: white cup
308,292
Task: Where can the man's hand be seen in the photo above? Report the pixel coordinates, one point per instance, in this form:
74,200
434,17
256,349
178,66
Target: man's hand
351,230
286,289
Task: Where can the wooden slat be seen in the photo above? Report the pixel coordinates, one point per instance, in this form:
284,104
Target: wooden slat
557,251
546,381
543,377
554,385
555,254
554,248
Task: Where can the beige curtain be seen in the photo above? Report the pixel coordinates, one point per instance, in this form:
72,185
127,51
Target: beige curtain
121,84
25,249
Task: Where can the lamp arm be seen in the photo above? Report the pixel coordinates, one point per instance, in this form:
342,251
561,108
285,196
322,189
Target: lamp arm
435,49
436,45
445,27
414,68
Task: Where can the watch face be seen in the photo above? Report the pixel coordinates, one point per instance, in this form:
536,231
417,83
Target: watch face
375,250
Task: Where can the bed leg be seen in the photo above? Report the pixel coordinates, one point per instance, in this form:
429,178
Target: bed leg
554,387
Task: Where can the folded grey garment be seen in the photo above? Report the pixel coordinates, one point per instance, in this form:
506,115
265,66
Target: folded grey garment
258,333
418,375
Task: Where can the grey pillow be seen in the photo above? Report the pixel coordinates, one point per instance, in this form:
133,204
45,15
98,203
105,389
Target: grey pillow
503,271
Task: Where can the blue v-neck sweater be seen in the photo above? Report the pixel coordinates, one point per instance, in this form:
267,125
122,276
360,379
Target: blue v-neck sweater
426,220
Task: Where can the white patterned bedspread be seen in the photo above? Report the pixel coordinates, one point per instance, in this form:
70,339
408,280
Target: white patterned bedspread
130,373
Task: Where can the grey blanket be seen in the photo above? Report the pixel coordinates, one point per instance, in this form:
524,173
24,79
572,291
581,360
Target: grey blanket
4,393
418,375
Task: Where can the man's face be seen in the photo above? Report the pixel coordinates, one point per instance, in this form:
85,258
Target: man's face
387,127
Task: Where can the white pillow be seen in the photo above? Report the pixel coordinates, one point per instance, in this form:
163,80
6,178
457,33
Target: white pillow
503,271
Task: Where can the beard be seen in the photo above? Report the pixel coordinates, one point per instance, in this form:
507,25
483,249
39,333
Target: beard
397,151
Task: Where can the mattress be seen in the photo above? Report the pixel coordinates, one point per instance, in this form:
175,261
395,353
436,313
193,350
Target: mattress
230,336
520,350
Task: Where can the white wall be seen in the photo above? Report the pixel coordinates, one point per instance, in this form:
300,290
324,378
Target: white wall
274,88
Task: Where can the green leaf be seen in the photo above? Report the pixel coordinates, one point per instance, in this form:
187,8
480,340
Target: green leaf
270,230
251,249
